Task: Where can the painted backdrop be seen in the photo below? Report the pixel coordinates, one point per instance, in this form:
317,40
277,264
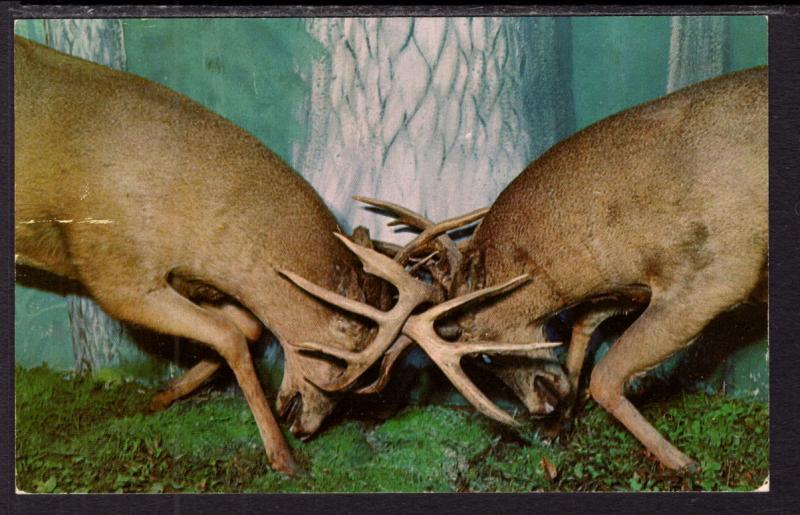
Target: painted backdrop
436,114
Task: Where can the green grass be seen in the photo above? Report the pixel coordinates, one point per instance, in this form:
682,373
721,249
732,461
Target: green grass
94,435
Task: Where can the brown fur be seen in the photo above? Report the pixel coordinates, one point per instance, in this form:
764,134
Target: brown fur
668,197
133,190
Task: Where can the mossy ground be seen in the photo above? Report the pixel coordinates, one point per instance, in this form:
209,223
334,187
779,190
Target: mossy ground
93,435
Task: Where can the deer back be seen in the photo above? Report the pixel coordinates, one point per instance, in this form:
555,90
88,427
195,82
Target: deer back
117,176
642,198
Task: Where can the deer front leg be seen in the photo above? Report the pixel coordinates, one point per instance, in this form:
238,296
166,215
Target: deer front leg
200,372
587,323
582,331
168,312
667,325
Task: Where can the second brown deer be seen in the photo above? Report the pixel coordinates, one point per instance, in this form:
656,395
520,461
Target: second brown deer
663,205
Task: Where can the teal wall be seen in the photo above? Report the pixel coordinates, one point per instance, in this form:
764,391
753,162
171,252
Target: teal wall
748,42
619,62
41,324
31,29
253,72
257,74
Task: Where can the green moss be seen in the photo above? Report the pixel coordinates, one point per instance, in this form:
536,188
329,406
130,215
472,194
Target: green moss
511,467
78,435
426,449
727,437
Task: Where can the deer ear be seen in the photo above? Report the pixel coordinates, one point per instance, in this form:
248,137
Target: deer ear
361,236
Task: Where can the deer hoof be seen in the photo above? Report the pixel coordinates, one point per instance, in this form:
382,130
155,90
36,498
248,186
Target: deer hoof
287,466
160,402
691,468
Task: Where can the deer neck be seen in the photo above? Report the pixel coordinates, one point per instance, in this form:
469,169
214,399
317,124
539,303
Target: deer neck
515,316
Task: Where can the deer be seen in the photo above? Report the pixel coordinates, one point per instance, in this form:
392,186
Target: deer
662,207
174,219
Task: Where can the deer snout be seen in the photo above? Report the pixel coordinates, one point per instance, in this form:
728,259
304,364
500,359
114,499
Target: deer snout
541,385
304,409
551,387
551,391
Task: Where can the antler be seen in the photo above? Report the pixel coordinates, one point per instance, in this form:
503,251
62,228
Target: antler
389,359
389,344
411,293
447,355
430,231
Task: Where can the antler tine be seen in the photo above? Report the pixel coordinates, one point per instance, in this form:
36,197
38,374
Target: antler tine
514,349
342,354
411,293
439,310
435,231
330,297
423,261
386,248
430,231
406,216
447,355
441,352
389,359
377,264
402,215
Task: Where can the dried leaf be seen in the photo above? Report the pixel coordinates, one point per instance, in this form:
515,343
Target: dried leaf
550,471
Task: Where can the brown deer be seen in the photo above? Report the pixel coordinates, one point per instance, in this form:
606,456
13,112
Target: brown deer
174,219
663,205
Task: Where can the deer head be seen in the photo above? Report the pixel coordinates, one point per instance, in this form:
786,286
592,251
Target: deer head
420,328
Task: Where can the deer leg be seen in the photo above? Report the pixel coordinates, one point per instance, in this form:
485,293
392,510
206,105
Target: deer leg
168,312
200,372
582,332
581,335
667,325
185,384
579,342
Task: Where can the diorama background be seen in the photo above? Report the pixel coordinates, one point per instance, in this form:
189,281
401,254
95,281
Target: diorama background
437,114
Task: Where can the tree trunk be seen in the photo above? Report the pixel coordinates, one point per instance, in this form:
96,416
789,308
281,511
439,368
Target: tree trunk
696,50
436,114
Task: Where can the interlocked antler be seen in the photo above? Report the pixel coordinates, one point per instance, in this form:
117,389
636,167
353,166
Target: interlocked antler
420,328
411,293
389,344
430,232
389,359
447,355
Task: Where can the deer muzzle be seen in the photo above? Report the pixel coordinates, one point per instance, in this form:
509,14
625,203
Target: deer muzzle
542,386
